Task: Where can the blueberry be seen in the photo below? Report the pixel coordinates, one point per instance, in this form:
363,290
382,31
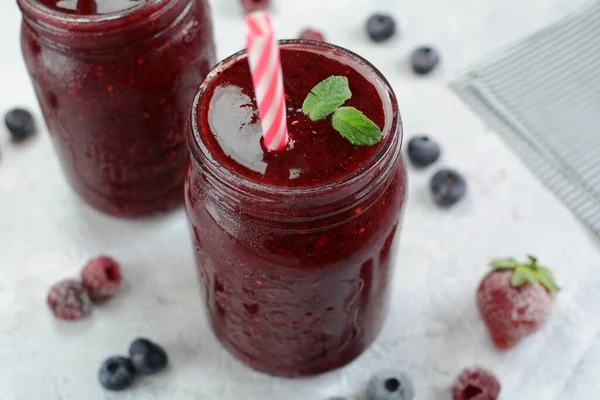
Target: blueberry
381,27
147,357
448,187
423,151
20,123
424,59
391,386
116,373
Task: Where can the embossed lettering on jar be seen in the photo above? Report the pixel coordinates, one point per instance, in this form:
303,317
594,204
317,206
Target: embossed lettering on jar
114,80
296,276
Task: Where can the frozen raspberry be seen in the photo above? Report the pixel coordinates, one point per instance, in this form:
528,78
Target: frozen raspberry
312,34
68,300
255,5
476,384
102,278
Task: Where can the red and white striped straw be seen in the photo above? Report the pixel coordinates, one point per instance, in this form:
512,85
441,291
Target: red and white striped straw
265,67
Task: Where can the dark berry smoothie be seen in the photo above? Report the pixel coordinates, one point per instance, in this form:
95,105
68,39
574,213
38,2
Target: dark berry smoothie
317,155
294,248
115,79
90,7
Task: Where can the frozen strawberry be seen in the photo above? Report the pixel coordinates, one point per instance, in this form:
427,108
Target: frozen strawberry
102,278
476,383
68,300
515,299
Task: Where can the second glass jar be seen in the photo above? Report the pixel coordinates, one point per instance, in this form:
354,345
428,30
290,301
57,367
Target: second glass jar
115,90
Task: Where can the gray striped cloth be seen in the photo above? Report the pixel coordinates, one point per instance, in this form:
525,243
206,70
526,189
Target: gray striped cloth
543,97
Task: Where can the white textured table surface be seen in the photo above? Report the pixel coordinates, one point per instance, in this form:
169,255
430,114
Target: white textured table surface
433,331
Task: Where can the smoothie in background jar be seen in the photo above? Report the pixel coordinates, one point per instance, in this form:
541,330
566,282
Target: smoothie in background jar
115,79
294,248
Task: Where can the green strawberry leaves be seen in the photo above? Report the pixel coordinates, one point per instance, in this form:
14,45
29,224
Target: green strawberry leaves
327,98
530,272
507,263
522,276
547,280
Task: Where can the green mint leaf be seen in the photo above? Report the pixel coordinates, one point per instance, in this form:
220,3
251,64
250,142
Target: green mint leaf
505,263
356,127
326,97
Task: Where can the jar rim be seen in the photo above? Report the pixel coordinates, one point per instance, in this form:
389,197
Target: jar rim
392,130
90,23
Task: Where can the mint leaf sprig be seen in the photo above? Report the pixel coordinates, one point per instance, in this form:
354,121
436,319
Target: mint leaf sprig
525,272
327,98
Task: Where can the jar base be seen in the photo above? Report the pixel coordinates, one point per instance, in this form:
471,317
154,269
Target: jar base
124,208
294,371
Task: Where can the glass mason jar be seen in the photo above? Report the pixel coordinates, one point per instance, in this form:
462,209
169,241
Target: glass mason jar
115,91
296,279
